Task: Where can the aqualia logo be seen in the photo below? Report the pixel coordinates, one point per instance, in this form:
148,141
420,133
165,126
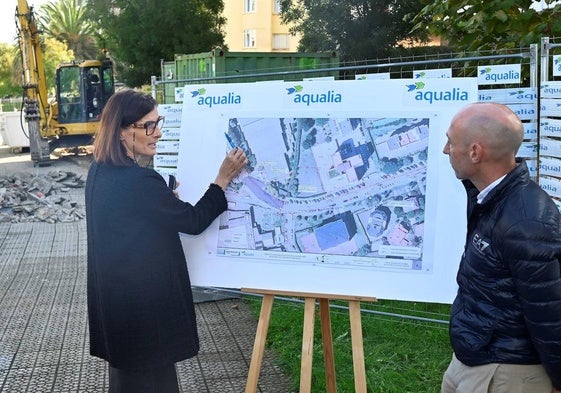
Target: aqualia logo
551,90
507,75
432,96
523,95
420,75
551,128
315,98
551,168
548,188
226,99
179,94
557,64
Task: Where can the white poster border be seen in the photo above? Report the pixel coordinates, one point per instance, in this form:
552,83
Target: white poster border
202,150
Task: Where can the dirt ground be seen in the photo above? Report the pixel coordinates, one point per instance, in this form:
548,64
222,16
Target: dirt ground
11,162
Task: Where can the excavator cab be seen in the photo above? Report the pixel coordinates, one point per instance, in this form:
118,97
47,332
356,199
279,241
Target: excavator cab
83,89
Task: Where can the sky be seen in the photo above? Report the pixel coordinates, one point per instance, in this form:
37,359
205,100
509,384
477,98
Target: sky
8,17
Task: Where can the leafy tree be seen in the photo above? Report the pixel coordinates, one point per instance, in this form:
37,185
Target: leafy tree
67,21
357,29
139,33
54,53
489,25
8,87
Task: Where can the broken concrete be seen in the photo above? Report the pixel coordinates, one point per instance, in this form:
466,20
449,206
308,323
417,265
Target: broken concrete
25,197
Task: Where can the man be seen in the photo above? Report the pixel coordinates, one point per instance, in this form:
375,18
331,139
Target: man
505,325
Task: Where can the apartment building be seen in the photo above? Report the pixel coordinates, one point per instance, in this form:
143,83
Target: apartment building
256,26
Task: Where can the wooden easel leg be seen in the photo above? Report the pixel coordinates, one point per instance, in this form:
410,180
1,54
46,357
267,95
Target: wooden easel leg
308,339
307,345
327,341
259,344
357,343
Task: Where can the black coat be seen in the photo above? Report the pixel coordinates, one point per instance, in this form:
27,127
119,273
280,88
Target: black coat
140,305
508,307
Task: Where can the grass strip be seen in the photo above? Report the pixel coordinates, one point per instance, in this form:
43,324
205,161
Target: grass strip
401,354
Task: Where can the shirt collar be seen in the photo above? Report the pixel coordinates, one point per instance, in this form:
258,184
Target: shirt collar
481,196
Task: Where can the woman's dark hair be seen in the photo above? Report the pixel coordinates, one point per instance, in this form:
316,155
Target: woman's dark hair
122,109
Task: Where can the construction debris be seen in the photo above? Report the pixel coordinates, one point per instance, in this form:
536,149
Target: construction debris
29,198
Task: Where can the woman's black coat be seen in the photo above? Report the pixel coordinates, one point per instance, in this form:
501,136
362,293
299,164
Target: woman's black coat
140,305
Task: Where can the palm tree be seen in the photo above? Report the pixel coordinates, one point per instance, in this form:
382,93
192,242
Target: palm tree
67,21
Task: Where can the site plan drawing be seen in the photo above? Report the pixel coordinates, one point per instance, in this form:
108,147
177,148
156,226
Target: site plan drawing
342,192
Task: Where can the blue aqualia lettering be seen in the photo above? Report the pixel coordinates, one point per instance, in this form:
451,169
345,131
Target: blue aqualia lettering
320,98
550,168
552,90
451,95
553,129
548,187
525,112
502,76
228,99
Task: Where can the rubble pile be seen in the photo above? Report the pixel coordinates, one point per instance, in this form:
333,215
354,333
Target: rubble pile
29,198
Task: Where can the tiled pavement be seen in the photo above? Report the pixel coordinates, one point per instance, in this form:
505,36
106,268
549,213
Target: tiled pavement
43,321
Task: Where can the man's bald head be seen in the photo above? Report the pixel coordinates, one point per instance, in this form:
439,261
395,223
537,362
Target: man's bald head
483,139
493,125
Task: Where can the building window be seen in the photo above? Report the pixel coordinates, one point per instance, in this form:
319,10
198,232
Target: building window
281,41
249,39
249,5
277,6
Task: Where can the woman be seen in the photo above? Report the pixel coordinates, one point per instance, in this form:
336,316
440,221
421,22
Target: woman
140,305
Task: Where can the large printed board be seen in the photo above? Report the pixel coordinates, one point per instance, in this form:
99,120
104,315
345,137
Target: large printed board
347,190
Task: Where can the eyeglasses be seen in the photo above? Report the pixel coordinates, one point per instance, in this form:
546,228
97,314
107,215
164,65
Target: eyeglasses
150,126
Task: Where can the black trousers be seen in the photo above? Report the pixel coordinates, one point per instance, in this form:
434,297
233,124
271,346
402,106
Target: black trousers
160,380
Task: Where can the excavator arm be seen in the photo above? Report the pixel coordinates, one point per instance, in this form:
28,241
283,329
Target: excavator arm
35,99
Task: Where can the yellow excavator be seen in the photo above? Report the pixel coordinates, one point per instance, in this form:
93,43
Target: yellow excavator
82,89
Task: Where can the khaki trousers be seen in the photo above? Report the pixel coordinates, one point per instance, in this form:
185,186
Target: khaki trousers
495,378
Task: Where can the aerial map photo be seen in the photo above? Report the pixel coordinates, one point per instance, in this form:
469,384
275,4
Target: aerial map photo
337,191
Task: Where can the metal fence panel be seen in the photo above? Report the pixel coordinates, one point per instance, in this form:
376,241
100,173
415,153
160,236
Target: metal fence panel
549,168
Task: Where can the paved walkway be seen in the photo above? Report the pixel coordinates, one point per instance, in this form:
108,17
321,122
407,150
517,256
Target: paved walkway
43,322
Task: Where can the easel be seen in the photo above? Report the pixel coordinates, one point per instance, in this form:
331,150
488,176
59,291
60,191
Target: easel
308,338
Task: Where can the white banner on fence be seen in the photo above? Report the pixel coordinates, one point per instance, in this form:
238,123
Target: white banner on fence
556,65
433,73
171,133
528,150
550,147
531,130
165,160
550,127
166,171
550,166
509,96
167,147
498,74
179,94
551,89
379,75
170,111
525,111
550,107
551,185
532,168
161,160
